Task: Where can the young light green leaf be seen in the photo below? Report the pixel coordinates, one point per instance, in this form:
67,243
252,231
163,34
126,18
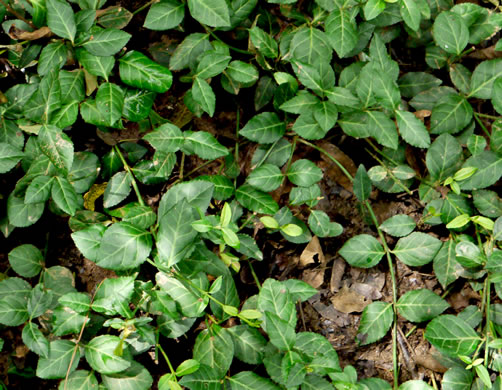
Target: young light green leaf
61,19
188,366
415,385
375,322
421,305
164,15
458,222
362,251
417,249
399,225
137,70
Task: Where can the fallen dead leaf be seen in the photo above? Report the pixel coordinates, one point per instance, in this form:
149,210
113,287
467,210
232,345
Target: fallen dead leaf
349,301
332,170
422,114
336,275
314,277
18,34
312,250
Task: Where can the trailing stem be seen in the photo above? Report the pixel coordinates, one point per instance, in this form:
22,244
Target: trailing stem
129,171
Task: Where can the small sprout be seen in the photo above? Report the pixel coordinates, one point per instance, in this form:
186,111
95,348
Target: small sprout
269,222
230,238
230,310
292,230
202,225
487,223
226,215
459,221
464,173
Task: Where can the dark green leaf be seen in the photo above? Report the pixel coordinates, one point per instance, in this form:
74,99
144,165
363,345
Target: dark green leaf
64,195
256,200
264,128
417,249
214,349
421,305
412,129
213,13
362,184
137,70
450,32
110,102
61,19
57,146
26,260
107,42
362,251
35,340
375,322
399,225
164,15
451,335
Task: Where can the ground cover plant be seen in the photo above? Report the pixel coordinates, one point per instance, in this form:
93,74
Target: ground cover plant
185,154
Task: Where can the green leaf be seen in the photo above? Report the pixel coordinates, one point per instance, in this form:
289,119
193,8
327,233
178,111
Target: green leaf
249,344
373,8
52,56
35,340
412,83
488,203
39,301
110,102
205,378
375,322
102,355
115,17
88,240
362,184
446,267
81,380
412,129
381,128
215,349
118,188
306,126
421,305
212,64
256,200
57,146
61,19
275,298
64,195
204,145
304,173
213,13
79,302
326,114
342,31
461,77
15,287
21,214
342,97
417,249
203,94
489,170
67,321
62,353
303,102
137,104
483,78
321,226
415,385
137,70
188,52
223,186
9,157
138,215
166,138
450,32
66,116
309,76
247,380
114,296
264,128
281,333
300,290
164,15
107,42
399,225
443,156
266,178
96,65
451,114
135,377
242,72
46,100
411,14
123,246
26,260
84,171
468,254
265,44
452,335
457,378
362,251
13,310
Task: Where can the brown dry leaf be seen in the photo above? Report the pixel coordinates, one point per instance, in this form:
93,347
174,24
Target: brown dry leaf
91,83
336,275
21,351
314,277
421,114
16,33
349,301
332,170
488,53
312,249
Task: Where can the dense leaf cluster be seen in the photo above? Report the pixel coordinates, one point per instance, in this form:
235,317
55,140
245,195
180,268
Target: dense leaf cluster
314,69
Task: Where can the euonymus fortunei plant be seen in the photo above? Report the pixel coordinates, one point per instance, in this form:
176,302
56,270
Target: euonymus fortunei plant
419,78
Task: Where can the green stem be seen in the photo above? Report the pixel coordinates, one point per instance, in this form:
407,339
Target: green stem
166,358
182,164
129,171
389,172
480,123
144,6
255,277
265,156
237,50
487,292
295,138
246,222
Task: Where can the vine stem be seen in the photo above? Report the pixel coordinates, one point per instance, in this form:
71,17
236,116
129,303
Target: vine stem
129,171
236,49
387,253
478,115
487,292
16,14
166,358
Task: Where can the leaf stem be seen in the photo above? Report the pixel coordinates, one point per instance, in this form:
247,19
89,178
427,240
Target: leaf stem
129,171
166,358
477,115
265,156
237,50
255,277
486,293
143,6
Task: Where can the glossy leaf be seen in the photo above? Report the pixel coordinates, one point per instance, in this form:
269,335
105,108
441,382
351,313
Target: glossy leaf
362,251
164,15
452,335
107,42
421,305
57,364
137,70
375,322
61,19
